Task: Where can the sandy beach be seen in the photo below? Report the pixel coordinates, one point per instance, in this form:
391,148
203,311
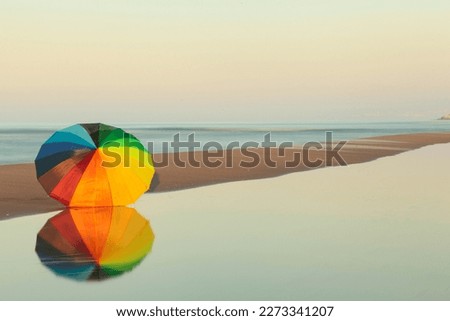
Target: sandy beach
21,194
370,231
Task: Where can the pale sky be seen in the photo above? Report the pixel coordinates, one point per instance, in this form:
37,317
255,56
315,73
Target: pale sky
182,61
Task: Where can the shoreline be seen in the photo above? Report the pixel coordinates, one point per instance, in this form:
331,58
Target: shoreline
21,194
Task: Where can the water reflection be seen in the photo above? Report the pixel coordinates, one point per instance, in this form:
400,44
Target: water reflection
94,243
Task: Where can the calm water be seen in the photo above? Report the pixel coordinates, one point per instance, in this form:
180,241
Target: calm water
373,231
20,143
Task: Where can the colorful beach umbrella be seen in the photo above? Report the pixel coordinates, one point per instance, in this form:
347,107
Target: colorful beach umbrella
94,243
94,165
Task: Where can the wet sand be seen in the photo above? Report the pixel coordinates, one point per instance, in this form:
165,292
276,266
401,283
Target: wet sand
21,194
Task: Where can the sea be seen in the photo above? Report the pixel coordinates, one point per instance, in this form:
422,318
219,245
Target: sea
20,143
372,231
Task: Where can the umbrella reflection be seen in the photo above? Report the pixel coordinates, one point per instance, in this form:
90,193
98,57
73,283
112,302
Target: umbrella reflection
94,243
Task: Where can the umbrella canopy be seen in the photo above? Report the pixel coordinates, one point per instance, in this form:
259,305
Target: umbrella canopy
94,243
94,165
